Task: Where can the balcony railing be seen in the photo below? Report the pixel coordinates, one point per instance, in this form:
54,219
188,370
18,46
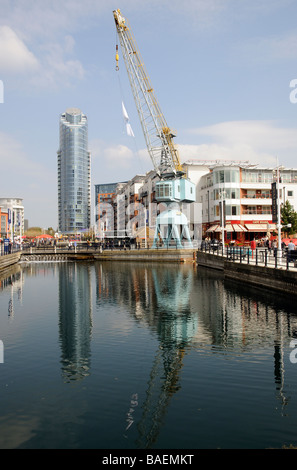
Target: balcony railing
255,196
257,211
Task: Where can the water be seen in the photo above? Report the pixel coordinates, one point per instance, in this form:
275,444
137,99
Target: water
140,356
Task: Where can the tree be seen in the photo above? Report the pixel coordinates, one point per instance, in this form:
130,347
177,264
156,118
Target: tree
289,216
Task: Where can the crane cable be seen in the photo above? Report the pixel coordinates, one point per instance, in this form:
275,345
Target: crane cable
122,100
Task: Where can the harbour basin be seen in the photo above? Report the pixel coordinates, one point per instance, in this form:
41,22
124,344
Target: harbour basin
124,355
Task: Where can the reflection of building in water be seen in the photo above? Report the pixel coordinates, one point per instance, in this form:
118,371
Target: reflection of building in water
248,319
238,316
75,319
185,309
13,282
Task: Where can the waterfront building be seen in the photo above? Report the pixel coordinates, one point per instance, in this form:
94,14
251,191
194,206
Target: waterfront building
244,191
74,173
3,223
241,188
12,210
105,209
128,207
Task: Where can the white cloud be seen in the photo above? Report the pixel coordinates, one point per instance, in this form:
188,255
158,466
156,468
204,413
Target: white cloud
56,68
14,161
269,49
118,156
259,142
45,19
14,55
116,162
29,180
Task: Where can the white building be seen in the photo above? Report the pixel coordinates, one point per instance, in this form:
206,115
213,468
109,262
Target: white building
244,190
15,209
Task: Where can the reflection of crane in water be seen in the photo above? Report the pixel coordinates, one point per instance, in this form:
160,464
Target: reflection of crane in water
176,327
279,368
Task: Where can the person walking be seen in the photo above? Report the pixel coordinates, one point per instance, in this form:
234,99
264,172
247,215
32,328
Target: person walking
291,247
253,246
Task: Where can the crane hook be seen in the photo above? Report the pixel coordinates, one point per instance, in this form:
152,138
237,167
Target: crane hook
117,57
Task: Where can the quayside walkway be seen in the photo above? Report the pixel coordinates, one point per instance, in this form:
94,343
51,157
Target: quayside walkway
259,268
258,257
77,253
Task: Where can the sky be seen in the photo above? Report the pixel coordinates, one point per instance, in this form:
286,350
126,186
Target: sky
223,71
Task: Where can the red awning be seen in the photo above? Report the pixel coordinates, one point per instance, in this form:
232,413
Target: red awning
257,227
45,235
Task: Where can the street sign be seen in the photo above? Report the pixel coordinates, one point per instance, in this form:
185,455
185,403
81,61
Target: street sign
274,202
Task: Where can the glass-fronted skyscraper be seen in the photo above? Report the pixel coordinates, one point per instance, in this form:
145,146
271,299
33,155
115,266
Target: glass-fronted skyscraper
74,173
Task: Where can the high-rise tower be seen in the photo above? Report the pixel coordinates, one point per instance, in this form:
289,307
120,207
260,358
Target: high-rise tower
74,173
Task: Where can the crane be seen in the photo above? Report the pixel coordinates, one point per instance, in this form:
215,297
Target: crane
173,186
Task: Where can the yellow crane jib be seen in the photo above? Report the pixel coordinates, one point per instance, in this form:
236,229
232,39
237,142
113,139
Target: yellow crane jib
119,19
163,154
173,186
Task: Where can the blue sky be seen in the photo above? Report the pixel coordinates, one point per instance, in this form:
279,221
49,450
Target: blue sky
221,71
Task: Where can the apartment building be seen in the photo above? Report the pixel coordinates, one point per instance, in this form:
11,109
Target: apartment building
241,188
12,214
74,173
244,192
105,209
3,223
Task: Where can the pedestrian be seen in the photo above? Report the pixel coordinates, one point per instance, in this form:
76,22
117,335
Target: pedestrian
291,247
268,244
274,247
253,246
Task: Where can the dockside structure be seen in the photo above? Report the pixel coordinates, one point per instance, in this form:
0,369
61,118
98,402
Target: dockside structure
243,188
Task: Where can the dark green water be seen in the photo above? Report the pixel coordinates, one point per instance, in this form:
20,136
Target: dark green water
140,356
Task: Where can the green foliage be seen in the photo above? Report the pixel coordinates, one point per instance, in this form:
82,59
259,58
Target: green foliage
33,231
289,216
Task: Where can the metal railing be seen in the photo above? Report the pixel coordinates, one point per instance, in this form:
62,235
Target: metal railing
9,249
260,256
52,248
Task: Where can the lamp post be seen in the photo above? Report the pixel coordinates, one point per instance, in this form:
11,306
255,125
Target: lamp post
223,195
279,226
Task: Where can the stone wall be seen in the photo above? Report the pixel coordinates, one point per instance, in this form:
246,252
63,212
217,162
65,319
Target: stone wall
260,276
174,256
8,260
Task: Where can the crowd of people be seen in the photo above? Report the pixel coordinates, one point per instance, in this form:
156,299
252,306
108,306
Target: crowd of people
265,242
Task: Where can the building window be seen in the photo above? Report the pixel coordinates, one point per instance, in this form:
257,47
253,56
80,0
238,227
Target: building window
226,176
163,190
290,193
232,210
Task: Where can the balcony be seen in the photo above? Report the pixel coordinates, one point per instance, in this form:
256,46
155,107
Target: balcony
256,196
255,211
256,202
